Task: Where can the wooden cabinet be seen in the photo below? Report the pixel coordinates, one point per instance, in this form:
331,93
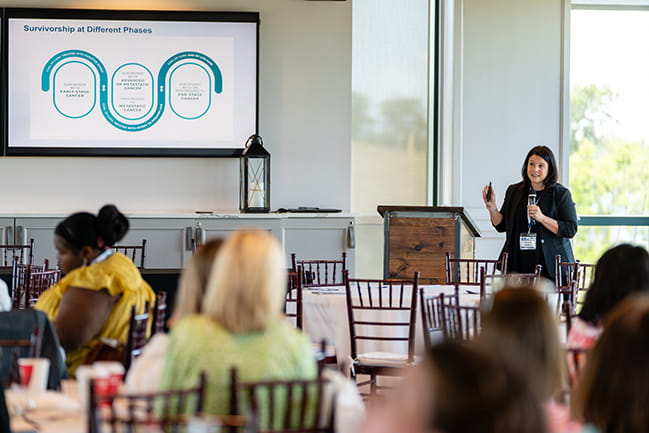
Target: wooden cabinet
220,226
167,246
41,229
169,237
326,239
6,230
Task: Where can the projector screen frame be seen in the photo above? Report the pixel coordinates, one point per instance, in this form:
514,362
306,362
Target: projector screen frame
118,15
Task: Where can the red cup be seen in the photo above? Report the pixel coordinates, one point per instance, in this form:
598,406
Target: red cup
114,382
25,374
103,390
114,371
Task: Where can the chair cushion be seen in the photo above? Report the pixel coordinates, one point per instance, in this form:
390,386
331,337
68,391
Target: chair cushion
386,359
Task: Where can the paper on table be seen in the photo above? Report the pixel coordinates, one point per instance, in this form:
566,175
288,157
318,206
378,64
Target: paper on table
44,400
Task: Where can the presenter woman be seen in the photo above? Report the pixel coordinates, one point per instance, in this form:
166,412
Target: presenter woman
538,216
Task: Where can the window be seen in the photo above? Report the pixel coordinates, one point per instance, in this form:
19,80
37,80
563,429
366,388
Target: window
390,54
609,131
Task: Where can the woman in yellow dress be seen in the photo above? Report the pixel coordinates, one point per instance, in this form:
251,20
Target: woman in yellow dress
93,300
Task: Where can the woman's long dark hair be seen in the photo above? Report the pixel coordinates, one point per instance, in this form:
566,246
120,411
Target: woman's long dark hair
622,270
82,229
612,390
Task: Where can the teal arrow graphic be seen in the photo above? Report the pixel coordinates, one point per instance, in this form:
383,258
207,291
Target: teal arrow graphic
103,83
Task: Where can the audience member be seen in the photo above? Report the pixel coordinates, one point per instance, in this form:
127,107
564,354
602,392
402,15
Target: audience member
5,299
241,325
521,329
144,374
4,413
20,324
93,300
613,392
621,270
459,389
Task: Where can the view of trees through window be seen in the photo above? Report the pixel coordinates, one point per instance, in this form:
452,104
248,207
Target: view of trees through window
609,125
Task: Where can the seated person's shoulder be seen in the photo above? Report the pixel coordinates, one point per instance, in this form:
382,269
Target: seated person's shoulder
198,326
5,299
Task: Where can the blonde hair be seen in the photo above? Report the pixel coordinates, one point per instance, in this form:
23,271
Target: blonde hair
521,328
193,281
245,292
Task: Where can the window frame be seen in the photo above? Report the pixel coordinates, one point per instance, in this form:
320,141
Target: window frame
569,6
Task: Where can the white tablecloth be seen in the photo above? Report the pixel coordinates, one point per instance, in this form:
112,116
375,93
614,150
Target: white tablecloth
325,317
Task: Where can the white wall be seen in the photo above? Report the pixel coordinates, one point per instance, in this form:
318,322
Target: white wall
304,113
509,96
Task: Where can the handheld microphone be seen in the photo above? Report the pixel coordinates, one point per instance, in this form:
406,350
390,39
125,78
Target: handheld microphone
531,200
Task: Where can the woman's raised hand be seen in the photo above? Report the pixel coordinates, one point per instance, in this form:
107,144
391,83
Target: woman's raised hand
491,202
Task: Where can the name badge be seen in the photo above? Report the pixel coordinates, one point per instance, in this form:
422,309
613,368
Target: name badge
528,241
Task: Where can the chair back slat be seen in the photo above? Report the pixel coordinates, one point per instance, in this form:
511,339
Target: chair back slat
467,271
293,297
18,348
431,313
29,281
461,322
288,411
138,333
164,411
585,275
567,273
39,281
284,406
491,283
365,296
21,253
136,253
159,316
321,273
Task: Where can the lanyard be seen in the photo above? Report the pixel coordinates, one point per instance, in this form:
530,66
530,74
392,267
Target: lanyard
103,256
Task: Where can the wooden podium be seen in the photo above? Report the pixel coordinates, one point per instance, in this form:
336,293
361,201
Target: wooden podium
418,237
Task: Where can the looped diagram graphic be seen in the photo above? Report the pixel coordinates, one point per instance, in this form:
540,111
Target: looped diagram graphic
186,78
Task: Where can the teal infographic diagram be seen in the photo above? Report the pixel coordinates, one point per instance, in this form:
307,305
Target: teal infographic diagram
131,93
99,83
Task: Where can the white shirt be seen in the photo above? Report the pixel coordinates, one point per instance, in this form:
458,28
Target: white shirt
5,299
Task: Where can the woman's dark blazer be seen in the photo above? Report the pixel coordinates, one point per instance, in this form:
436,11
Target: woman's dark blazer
562,209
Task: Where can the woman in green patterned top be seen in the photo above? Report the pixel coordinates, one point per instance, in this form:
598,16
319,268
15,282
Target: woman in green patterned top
242,325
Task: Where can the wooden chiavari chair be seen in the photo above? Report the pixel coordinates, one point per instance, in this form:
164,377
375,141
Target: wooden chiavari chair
38,282
431,313
12,349
461,322
171,411
21,282
468,272
136,253
284,406
159,314
294,297
373,308
21,253
138,333
321,273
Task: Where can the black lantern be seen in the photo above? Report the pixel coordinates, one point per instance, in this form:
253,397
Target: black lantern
254,178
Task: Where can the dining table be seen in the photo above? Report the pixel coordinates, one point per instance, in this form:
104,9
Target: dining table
325,317
46,411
